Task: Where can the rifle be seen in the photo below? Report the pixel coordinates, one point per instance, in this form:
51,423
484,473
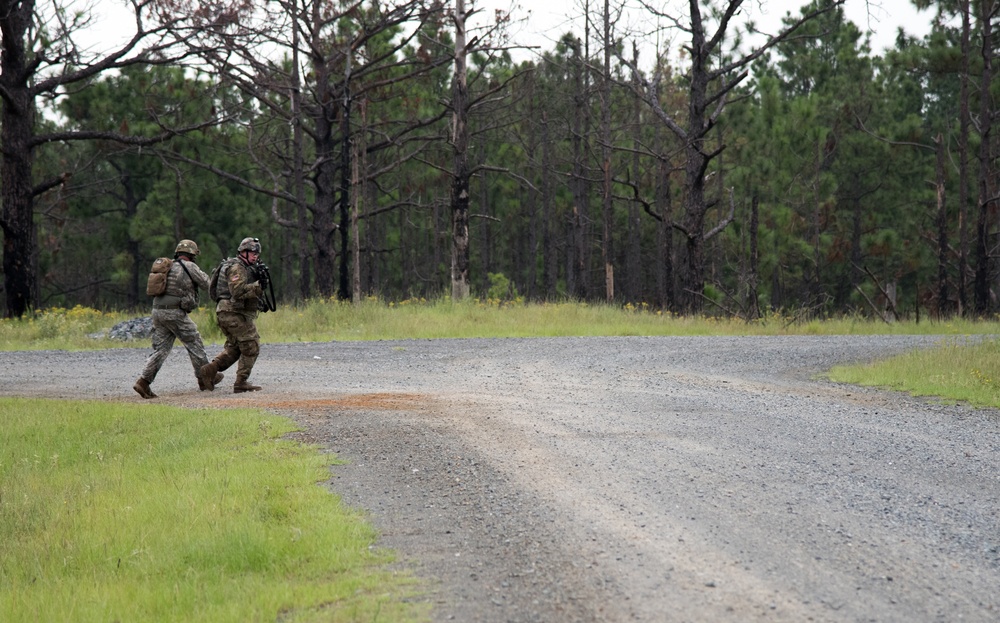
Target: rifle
267,302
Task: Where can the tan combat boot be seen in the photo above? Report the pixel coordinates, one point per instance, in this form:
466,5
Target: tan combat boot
243,386
208,376
210,387
142,388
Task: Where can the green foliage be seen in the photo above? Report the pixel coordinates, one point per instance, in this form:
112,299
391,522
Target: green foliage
124,512
501,288
320,320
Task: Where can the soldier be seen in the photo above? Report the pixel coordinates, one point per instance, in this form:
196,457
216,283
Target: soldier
240,287
170,318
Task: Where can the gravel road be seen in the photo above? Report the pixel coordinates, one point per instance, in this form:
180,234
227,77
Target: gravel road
694,479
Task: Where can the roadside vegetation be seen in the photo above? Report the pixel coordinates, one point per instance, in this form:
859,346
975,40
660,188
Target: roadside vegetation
135,512
82,328
956,371
125,512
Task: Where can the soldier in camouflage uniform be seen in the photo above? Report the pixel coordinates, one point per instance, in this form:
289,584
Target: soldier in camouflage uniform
170,317
239,289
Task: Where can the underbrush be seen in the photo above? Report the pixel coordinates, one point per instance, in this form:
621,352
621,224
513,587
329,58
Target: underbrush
320,320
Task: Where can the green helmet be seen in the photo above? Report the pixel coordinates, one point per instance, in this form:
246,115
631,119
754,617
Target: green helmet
187,246
250,244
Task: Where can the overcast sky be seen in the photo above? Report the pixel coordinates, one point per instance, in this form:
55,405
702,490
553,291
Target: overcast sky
547,20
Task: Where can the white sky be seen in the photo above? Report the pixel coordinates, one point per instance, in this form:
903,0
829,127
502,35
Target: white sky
549,19
546,20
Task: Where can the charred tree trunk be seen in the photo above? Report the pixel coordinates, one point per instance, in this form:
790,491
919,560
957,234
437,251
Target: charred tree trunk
324,226
692,275
549,267
942,227
575,277
753,309
665,259
358,169
298,171
344,287
633,249
18,223
963,163
531,201
607,240
461,173
986,170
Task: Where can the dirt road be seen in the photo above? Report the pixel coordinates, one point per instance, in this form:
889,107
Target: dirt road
629,479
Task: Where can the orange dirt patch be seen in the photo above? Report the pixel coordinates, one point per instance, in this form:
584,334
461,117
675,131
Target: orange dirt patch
381,401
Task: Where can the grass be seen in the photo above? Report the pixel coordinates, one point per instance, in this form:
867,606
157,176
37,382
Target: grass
145,513
955,371
322,320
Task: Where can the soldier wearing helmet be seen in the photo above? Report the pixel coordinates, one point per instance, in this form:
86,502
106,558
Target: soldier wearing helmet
170,317
240,287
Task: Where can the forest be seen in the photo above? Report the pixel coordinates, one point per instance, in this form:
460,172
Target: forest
397,150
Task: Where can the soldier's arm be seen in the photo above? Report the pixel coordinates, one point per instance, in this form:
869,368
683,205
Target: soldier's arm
197,275
240,286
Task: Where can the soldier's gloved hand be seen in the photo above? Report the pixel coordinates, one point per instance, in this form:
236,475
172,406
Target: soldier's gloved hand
263,274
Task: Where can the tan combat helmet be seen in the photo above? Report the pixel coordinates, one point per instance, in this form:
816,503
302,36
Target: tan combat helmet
187,246
250,244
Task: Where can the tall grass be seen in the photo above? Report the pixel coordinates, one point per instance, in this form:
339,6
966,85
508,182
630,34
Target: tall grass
955,371
323,320
320,320
144,513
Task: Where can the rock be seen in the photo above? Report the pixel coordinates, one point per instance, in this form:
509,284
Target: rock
134,329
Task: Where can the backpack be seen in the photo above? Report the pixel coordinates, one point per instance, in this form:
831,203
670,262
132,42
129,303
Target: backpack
213,282
156,283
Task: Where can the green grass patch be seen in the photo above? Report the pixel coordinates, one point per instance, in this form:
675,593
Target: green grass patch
146,513
954,371
321,320
372,319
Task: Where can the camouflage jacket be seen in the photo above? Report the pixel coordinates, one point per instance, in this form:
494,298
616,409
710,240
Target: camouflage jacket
238,289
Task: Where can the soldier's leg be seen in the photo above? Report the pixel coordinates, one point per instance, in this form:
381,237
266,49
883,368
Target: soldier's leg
249,345
232,326
163,342
187,332
230,354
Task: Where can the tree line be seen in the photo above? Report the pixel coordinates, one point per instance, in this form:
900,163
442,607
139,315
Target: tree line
398,149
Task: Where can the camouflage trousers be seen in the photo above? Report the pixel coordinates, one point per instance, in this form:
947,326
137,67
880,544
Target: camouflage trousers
242,344
168,325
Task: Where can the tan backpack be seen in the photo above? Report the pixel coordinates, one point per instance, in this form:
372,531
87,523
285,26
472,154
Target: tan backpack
156,284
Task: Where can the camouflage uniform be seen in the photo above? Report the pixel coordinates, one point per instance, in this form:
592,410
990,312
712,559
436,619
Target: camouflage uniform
171,321
238,292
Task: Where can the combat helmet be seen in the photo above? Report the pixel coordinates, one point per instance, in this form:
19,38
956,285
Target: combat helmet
187,246
249,244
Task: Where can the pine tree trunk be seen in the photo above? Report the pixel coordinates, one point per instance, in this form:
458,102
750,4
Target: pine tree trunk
460,181
18,115
963,163
942,227
982,277
607,240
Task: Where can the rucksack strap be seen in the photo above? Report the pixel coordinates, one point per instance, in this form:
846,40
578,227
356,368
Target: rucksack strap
193,282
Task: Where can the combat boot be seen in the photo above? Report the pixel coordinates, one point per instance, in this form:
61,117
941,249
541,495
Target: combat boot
208,376
244,386
142,388
203,386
